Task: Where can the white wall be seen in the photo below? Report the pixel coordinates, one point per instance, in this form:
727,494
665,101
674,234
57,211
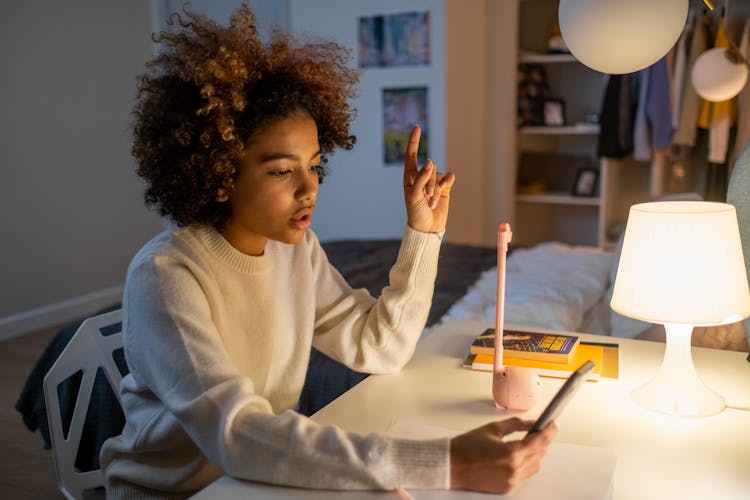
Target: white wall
362,198
268,13
72,209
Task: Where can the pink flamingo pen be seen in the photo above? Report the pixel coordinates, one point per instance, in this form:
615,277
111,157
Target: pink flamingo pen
513,387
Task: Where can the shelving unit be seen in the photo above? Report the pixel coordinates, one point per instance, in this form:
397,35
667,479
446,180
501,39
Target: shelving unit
549,157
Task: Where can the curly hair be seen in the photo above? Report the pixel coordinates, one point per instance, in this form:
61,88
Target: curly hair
211,89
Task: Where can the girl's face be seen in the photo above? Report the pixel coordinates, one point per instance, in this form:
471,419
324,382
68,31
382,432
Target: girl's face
276,186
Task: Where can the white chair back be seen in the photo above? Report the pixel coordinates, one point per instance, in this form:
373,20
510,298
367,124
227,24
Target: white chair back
89,349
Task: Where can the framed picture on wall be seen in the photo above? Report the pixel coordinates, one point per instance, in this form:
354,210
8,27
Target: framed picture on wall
394,40
585,184
402,109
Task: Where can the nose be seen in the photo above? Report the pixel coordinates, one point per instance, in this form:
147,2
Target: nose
307,187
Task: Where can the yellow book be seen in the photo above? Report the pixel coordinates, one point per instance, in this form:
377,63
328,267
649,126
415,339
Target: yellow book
539,346
584,352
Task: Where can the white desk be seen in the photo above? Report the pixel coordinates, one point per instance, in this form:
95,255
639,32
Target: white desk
658,457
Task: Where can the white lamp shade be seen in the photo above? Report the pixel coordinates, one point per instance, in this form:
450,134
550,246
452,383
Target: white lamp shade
621,36
682,263
715,77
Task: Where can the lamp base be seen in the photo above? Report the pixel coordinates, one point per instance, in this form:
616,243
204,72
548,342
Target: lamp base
677,389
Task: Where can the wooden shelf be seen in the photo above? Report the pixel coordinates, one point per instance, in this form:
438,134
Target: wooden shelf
578,129
536,57
558,199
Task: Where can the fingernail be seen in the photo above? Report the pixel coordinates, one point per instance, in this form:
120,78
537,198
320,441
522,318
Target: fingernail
428,165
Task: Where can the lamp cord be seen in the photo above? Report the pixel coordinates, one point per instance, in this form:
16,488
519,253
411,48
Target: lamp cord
740,408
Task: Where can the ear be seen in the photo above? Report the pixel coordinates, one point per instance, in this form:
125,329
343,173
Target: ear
221,195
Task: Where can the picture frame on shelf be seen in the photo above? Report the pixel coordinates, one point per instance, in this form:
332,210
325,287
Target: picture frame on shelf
586,182
554,112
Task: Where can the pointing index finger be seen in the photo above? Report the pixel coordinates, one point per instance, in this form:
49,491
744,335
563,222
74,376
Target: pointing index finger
410,161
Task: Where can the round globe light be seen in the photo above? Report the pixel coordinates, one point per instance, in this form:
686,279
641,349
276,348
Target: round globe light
621,36
715,77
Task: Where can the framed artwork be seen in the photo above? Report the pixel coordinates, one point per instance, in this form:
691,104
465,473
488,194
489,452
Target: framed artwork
554,112
585,184
394,40
402,109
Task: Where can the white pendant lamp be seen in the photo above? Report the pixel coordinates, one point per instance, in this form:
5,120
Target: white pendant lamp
717,75
621,36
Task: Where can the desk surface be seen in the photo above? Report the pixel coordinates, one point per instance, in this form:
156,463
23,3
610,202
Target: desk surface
658,456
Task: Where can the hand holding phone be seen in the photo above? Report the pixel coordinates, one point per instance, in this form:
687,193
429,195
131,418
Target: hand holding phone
562,397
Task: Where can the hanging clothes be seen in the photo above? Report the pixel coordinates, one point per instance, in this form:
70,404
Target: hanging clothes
653,119
678,70
685,133
743,104
718,117
617,116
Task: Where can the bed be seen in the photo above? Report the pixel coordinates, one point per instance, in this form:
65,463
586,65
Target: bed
551,285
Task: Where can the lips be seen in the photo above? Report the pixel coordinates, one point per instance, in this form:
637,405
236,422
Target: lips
302,219
302,214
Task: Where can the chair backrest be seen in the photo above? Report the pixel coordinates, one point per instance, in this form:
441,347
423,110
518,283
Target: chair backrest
89,349
738,194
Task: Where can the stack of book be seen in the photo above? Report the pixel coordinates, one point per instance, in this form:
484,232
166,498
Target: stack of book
550,354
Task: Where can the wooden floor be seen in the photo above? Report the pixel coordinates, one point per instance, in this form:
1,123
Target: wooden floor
26,470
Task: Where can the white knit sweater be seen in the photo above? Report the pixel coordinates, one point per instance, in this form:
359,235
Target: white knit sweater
218,344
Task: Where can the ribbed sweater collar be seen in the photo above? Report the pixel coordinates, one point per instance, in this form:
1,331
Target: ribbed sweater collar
223,251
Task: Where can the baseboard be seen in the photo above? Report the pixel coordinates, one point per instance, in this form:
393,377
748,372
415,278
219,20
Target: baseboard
58,313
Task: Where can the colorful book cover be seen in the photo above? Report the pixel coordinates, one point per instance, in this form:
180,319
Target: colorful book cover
556,348
604,355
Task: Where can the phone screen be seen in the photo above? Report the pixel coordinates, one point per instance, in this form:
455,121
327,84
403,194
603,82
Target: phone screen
562,397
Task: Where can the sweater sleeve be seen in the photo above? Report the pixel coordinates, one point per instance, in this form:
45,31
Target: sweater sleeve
174,349
377,336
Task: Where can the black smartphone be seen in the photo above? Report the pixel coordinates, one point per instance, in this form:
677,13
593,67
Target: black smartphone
562,397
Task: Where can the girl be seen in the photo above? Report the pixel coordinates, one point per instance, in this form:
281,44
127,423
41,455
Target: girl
220,314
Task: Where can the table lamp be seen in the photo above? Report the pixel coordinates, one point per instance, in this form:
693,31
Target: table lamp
681,266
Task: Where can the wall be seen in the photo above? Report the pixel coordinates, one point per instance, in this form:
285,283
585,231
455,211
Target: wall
268,13
500,123
72,213
363,198
73,206
480,116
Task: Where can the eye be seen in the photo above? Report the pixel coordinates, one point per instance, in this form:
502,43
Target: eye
279,172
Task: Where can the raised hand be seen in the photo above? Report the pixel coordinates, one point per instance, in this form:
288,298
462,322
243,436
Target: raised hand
426,191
